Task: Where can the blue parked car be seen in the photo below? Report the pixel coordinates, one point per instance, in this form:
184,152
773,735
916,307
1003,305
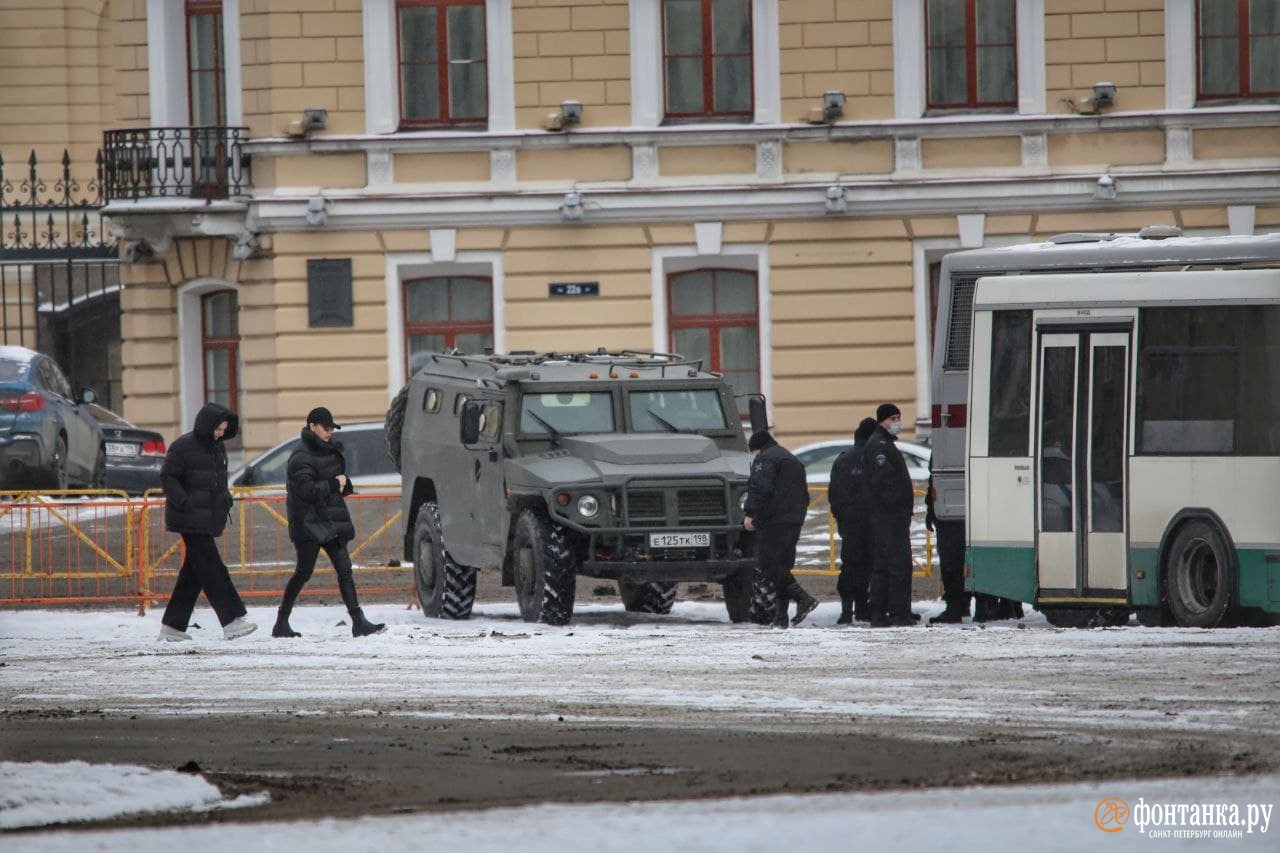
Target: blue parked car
48,438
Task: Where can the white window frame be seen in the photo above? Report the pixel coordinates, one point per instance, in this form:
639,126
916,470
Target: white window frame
382,76
648,107
909,58
190,340
402,266
167,63
751,257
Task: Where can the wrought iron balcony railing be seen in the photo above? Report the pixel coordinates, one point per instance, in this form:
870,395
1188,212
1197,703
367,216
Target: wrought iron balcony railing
175,162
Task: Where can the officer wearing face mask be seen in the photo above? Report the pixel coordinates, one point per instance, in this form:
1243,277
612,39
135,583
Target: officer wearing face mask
892,501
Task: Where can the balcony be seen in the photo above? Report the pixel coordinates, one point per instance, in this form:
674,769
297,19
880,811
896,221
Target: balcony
175,163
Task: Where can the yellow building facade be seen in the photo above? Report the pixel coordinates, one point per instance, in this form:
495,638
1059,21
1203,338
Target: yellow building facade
766,184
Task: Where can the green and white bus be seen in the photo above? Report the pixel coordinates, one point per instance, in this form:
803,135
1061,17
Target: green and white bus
1124,445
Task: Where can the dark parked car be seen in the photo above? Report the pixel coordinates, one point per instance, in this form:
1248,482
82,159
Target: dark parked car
134,455
48,438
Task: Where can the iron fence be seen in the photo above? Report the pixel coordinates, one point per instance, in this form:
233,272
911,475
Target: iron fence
175,162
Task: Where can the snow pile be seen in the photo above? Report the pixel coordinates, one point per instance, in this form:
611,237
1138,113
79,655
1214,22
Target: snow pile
38,794
1045,818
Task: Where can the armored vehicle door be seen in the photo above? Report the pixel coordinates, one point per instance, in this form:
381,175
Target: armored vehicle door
481,542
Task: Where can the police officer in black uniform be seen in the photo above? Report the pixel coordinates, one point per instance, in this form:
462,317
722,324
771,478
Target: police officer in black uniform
777,502
950,538
892,501
851,506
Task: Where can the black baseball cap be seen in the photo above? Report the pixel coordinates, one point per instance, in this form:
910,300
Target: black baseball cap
321,415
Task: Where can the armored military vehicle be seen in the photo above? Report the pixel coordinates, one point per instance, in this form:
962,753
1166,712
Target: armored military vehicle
626,466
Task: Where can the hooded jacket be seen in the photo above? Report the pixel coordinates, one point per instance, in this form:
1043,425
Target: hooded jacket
315,505
194,475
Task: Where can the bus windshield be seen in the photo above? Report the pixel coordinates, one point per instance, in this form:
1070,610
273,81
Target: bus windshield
565,412
687,410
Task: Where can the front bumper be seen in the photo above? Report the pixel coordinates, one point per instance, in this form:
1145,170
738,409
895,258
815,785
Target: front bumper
667,572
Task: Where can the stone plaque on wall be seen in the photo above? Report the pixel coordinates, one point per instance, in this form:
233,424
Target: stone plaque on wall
329,299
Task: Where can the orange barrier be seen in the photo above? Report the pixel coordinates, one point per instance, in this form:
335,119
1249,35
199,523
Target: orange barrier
103,546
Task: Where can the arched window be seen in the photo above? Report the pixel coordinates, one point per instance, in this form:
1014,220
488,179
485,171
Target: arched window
446,312
713,315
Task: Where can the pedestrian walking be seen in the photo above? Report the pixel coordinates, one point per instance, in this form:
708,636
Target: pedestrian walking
892,501
319,520
850,501
949,534
197,504
777,502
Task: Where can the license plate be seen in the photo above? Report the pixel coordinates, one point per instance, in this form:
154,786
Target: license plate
117,448
679,540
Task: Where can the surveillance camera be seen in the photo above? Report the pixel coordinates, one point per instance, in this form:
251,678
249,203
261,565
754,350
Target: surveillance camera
1104,95
1106,189
315,118
317,210
135,252
571,111
1106,182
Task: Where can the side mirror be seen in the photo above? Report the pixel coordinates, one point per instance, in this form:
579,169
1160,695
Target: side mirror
758,412
470,423
88,395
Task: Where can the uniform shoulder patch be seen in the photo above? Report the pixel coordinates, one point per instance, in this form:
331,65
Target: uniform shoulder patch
881,459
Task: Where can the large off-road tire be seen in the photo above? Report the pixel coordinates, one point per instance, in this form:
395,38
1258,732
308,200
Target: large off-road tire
1199,576
446,588
546,571
737,595
1086,617
653,597
395,425
764,599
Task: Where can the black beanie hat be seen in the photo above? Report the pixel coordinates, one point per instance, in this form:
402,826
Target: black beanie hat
760,440
886,410
864,430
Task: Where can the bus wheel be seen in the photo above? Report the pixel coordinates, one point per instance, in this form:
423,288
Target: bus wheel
1198,576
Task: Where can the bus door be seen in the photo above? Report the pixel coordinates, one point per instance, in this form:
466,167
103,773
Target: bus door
1082,412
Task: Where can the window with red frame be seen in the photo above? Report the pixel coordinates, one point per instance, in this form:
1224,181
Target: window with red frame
707,58
206,91
1238,48
972,55
443,64
220,347
444,313
713,315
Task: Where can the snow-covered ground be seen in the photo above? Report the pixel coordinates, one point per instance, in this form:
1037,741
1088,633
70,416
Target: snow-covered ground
691,668
1038,817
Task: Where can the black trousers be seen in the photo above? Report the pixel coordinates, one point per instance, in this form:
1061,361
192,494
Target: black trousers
890,592
776,552
856,561
202,569
308,553
950,541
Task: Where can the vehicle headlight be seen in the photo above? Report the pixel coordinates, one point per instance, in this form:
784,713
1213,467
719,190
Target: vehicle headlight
588,506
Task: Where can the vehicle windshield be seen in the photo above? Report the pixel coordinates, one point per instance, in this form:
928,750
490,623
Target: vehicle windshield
565,412
12,371
686,410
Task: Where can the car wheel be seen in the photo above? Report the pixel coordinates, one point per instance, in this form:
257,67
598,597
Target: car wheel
57,479
737,595
446,588
764,598
395,425
1199,576
652,597
545,569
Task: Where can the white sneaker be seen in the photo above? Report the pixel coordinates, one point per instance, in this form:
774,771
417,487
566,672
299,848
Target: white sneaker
238,628
173,635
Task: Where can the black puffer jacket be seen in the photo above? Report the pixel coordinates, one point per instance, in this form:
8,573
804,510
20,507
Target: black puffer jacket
194,476
848,492
777,492
316,509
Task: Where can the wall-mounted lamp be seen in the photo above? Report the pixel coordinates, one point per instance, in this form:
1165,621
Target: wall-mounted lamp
836,202
1106,189
832,108
313,119
571,208
570,115
317,211
1103,97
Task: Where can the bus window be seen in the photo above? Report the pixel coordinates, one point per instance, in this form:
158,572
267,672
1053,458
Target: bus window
1106,439
1057,438
1010,412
